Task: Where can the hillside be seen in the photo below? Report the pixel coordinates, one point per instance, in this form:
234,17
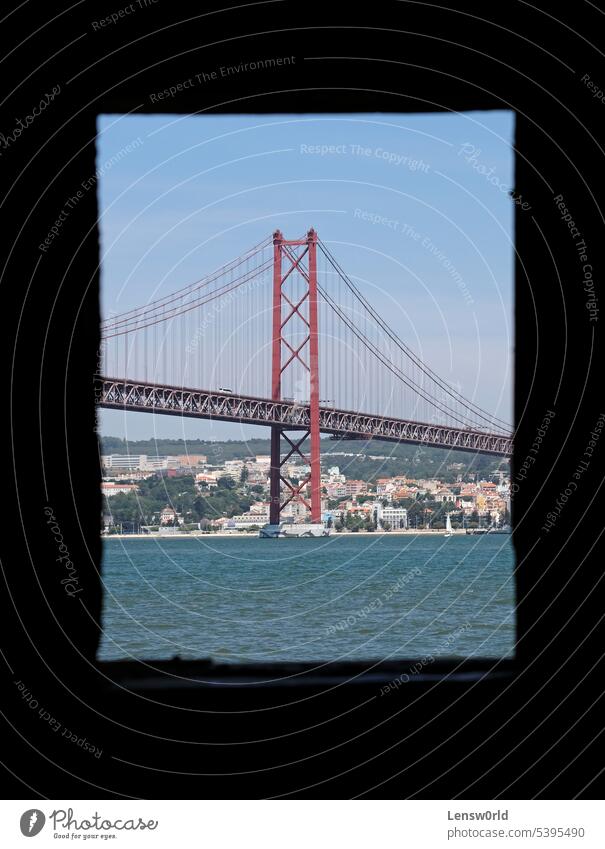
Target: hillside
357,459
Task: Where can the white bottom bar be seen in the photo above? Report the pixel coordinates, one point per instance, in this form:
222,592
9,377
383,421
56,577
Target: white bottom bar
299,824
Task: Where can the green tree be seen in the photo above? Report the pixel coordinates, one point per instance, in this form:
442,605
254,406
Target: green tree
352,523
225,482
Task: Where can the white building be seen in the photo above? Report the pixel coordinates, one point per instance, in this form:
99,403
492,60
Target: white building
169,515
132,462
121,461
108,489
246,520
393,517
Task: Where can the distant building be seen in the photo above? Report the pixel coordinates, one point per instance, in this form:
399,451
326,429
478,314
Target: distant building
348,488
404,492
206,479
142,462
353,487
108,489
168,516
259,508
393,517
246,520
384,486
127,475
332,476
429,485
192,460
296,511
257,475
121,461
296,470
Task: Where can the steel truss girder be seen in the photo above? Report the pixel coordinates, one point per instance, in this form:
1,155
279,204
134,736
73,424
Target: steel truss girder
113,393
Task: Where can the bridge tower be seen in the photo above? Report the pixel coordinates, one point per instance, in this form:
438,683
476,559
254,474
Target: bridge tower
288,264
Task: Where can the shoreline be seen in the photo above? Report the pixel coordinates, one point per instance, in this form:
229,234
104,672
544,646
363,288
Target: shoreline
254,535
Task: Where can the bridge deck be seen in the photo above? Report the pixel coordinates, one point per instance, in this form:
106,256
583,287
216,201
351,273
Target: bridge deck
137,396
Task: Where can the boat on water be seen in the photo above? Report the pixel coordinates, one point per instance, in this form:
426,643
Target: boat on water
448,526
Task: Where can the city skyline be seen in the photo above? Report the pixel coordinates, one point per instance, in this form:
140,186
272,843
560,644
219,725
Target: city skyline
194,492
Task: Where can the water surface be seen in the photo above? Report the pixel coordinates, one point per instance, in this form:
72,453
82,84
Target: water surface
345,597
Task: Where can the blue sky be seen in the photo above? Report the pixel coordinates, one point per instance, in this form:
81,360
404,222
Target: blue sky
418,225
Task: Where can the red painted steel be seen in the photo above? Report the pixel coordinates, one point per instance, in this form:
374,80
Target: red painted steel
274,474
294,352
314,377
122,394
282,250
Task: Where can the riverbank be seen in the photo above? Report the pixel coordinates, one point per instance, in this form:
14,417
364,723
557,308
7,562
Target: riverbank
254,534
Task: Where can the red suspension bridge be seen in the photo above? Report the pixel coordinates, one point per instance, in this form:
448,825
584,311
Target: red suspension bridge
263,334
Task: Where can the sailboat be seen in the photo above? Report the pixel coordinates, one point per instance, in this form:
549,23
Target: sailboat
448,526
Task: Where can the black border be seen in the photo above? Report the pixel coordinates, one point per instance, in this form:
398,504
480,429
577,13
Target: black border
530,730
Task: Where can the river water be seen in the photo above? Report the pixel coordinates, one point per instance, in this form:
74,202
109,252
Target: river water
344,597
